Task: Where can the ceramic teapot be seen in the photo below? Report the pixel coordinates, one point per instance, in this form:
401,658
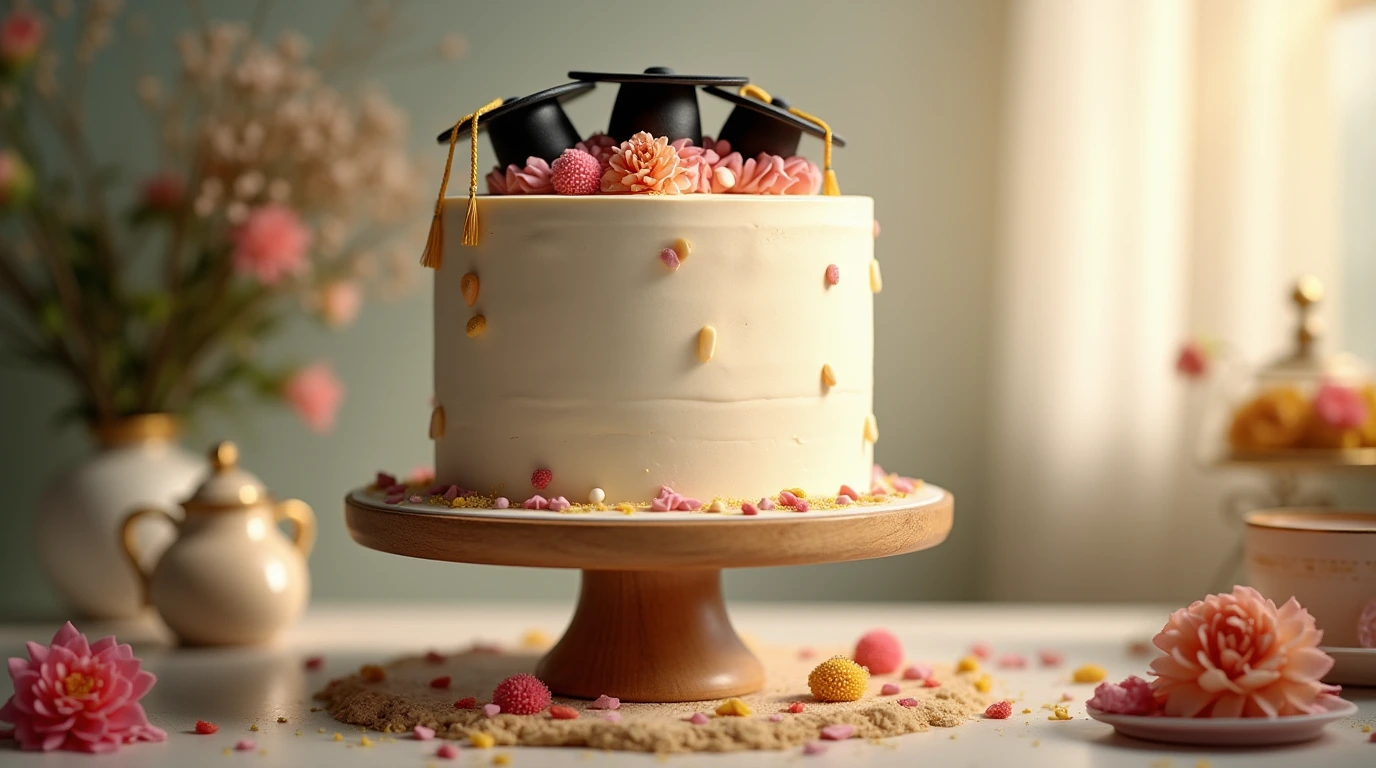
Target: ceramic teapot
231,577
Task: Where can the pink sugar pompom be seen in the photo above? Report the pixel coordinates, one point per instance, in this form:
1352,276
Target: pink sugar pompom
1133,696
766,503
670,258
522,694
880,651
749,509
536,502
576,173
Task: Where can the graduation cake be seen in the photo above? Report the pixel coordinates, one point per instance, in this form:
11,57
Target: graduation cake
650,319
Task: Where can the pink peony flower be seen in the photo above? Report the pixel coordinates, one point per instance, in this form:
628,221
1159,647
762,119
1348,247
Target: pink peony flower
315,394
162,192
16,180
340,301
1193,360
534,179
77,696
1237,655
600,146
699,162
646,165
1133,696
271,244
21,33
1340,407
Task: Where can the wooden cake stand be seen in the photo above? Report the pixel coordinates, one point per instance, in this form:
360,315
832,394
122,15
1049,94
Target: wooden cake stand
651,625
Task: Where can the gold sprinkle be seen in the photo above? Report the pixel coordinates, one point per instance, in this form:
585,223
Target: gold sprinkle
298,731
468,286
437,423
365,742
984,683
707,343
482,740
828,375
253,727
502,759
263,752
226,752
682,248
967,664
876,280
536,638
281,718
1090,673
338,736
319,730
872,432
625,508
734,708
799,492
476,325
1059,713
1027,710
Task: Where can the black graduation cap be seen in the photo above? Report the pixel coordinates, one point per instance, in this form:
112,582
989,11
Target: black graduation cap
657,100
756,126
530,126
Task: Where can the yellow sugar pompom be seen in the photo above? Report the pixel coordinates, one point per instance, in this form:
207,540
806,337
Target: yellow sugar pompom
482,740
734,708
838,679
1090,673
968,664
983,683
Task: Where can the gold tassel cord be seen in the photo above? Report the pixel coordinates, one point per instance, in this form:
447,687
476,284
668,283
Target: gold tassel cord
829,183
433,256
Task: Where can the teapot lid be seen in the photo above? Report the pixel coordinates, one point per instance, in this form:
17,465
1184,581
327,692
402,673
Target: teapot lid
1305,362
228,486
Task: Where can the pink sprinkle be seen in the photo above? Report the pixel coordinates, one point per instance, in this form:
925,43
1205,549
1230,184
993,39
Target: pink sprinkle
421,733
905,485
698,718
909,702
501,502
767,503
807,653
416,499
315,662
447,752
833,274
917,672
670,258
846,490
612,717
384,480
749,509
981,651
536,502
451,493
814,748
796,708
776,718
395,498
931,682
889,689
787,498
1012,661
491,710
1050,658
801,506
395,489
843,500
558,504
876,227
606,702
434,657
838,732
246,745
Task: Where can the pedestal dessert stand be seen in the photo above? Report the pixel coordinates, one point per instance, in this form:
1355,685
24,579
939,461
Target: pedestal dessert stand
651,625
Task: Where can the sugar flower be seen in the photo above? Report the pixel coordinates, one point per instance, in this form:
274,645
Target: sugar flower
271,244
496,182
315,393
533,179
1237,655
21,34
78,696
16,180
1340,407
699,162
646,165
600,146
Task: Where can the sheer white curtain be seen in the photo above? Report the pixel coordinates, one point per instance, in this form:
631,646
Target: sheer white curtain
1168,167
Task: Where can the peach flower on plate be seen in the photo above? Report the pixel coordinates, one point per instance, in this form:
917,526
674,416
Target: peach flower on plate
1238,655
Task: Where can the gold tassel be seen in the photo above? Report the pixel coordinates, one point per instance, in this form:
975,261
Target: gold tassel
829,184
433,256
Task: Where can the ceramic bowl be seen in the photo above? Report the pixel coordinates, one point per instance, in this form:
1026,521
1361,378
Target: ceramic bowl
1326,559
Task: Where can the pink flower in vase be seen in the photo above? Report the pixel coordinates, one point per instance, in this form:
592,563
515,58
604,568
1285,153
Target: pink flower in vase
1340,407
16,180
21,34
271,244
315,393
163,192
340,301
1237,655
78,696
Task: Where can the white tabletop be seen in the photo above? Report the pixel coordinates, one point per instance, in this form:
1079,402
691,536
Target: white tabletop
236,688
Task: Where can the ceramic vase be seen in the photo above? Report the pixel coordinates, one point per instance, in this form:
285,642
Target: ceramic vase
138,464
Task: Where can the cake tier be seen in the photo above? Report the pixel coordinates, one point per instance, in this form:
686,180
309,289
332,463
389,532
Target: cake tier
593,362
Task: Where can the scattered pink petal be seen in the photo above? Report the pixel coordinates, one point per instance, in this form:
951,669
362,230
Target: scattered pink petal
776,718
796,707
1050,658
904,484
846,490
501,502
1012,661
838,732
558,504
889,689
395,498
384,481
749,509
1193,360
670,258
931,682
787,498
801,506
536,502
698,718
491,710
246,745
399,488
436,490
908,702
767,503
421,733
843,501
981,651
447,752
917,672
814,748
606,702
451,493
612,717
315,662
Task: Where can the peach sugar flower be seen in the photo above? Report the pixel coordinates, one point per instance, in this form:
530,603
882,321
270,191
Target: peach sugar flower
315,393
271,244
644,164
1237,655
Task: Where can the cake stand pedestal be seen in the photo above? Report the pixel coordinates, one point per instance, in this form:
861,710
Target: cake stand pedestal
651,624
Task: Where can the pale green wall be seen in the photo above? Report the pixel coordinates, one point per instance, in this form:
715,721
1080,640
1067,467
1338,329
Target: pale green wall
913,86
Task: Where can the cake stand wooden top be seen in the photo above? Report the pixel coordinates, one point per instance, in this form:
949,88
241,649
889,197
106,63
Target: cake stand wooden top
704,542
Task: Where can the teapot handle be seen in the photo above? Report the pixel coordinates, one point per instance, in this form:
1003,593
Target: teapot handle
303,523
131,543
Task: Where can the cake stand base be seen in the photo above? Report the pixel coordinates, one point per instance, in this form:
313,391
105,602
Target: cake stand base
651,636
652,627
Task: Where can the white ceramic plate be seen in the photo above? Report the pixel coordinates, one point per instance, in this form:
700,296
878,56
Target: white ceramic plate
1351,666
1228,731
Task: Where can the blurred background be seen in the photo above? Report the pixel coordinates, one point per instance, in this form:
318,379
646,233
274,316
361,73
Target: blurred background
1068,192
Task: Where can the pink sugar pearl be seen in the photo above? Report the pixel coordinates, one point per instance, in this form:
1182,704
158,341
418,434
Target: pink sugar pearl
576,173
879,650
522,695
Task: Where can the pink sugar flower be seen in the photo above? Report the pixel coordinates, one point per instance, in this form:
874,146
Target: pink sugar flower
496,182
536,178
271,244
21,35
1340,407
340,301
807,177
315,393
643,165
162,192
1237,655
699,162
1133,696
600,146
78,696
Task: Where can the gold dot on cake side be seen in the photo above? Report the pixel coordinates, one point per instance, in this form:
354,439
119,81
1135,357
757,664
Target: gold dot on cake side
476,325
876,279
468,286
682,247
437,423
871,429
707,343
828,375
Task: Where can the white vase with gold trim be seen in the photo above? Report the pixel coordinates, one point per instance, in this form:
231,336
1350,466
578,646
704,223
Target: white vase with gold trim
139,464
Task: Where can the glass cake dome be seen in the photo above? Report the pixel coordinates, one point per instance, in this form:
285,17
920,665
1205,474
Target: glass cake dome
1305,410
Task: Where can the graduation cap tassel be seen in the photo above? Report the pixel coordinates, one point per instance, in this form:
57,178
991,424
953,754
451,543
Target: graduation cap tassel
829,184
434,244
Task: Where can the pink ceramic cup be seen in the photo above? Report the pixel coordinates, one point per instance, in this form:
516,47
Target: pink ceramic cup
1325,559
